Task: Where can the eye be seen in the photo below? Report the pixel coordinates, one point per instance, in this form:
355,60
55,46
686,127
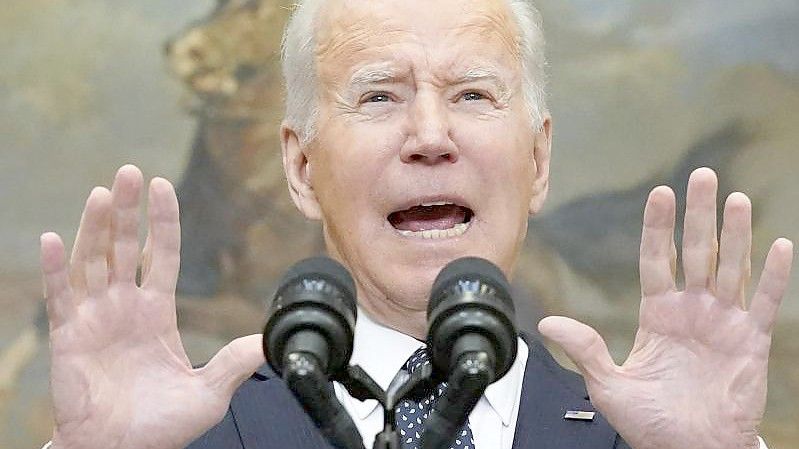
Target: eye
473,96
379,97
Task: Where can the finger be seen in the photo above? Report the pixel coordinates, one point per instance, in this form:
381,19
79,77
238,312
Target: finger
146,255
735,249
772,285
234,363
581,343
126,194
57,291
164,238
658,253
97,269
89,259
699,244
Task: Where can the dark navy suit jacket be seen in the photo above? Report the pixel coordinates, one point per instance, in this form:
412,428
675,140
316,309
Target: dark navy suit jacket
264,415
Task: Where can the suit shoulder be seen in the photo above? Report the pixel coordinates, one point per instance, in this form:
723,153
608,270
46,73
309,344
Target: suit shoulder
549,391
569,379
224,435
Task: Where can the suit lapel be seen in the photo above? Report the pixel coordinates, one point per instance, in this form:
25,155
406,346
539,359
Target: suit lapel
548,391
268,417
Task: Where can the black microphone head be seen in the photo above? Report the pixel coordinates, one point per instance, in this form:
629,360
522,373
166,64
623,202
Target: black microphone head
471,296
322,268
316,296
466,269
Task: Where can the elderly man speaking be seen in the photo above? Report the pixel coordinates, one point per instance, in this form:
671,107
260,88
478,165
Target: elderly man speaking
416,131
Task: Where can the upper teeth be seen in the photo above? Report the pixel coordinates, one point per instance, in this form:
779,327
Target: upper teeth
436,203
454,231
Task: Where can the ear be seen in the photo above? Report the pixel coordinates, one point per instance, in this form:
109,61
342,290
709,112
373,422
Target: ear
298,173
542,148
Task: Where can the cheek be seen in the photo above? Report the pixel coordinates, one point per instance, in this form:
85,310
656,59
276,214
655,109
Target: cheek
350,166
502,152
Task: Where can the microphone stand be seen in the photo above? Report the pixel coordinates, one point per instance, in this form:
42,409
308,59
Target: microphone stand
404,385
361,386
471,375
470,380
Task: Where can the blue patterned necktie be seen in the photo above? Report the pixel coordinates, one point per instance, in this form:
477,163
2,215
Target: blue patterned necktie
411,416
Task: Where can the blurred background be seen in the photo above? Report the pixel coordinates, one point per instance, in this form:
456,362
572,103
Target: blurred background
642,92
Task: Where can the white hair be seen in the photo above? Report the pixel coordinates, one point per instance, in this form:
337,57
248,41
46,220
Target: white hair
299,64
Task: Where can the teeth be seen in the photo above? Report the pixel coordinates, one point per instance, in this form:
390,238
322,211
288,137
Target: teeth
437,203
454,231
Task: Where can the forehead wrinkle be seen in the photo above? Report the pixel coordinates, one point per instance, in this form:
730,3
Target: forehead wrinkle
342,42
350,34
489,25
347,30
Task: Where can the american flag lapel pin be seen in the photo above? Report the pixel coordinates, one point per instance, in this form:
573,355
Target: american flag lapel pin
579,415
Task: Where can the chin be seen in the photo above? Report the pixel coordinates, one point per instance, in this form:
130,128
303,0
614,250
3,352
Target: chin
412,277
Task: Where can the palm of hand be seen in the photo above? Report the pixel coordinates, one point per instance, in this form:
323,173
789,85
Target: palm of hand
687,381
110,369
696,376
120,376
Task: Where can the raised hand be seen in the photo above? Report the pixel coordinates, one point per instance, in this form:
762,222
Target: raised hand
120,377
696,376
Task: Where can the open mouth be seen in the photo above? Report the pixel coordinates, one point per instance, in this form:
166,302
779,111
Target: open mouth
434,220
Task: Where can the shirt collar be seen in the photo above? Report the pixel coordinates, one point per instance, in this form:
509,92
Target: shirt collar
382,351
503,395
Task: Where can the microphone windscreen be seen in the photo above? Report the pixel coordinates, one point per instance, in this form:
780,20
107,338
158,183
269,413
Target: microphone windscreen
470,296
315,298
464,270
322,268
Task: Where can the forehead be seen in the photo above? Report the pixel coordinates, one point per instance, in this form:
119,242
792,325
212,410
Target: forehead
447,33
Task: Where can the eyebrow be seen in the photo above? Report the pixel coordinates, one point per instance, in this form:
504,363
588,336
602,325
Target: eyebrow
481,73
373,75
477,73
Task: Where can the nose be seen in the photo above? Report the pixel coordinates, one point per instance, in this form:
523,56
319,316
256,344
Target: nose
430,141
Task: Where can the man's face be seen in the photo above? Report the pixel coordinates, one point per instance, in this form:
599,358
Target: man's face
425,151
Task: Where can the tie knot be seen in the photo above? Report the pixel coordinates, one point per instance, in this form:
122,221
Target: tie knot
418,359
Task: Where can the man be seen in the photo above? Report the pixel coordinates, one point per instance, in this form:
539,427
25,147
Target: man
416,131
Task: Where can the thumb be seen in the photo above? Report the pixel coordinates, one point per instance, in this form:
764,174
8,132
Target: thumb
234,363
581,343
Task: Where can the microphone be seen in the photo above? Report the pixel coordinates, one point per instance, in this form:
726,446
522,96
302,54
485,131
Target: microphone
308,341
472,341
